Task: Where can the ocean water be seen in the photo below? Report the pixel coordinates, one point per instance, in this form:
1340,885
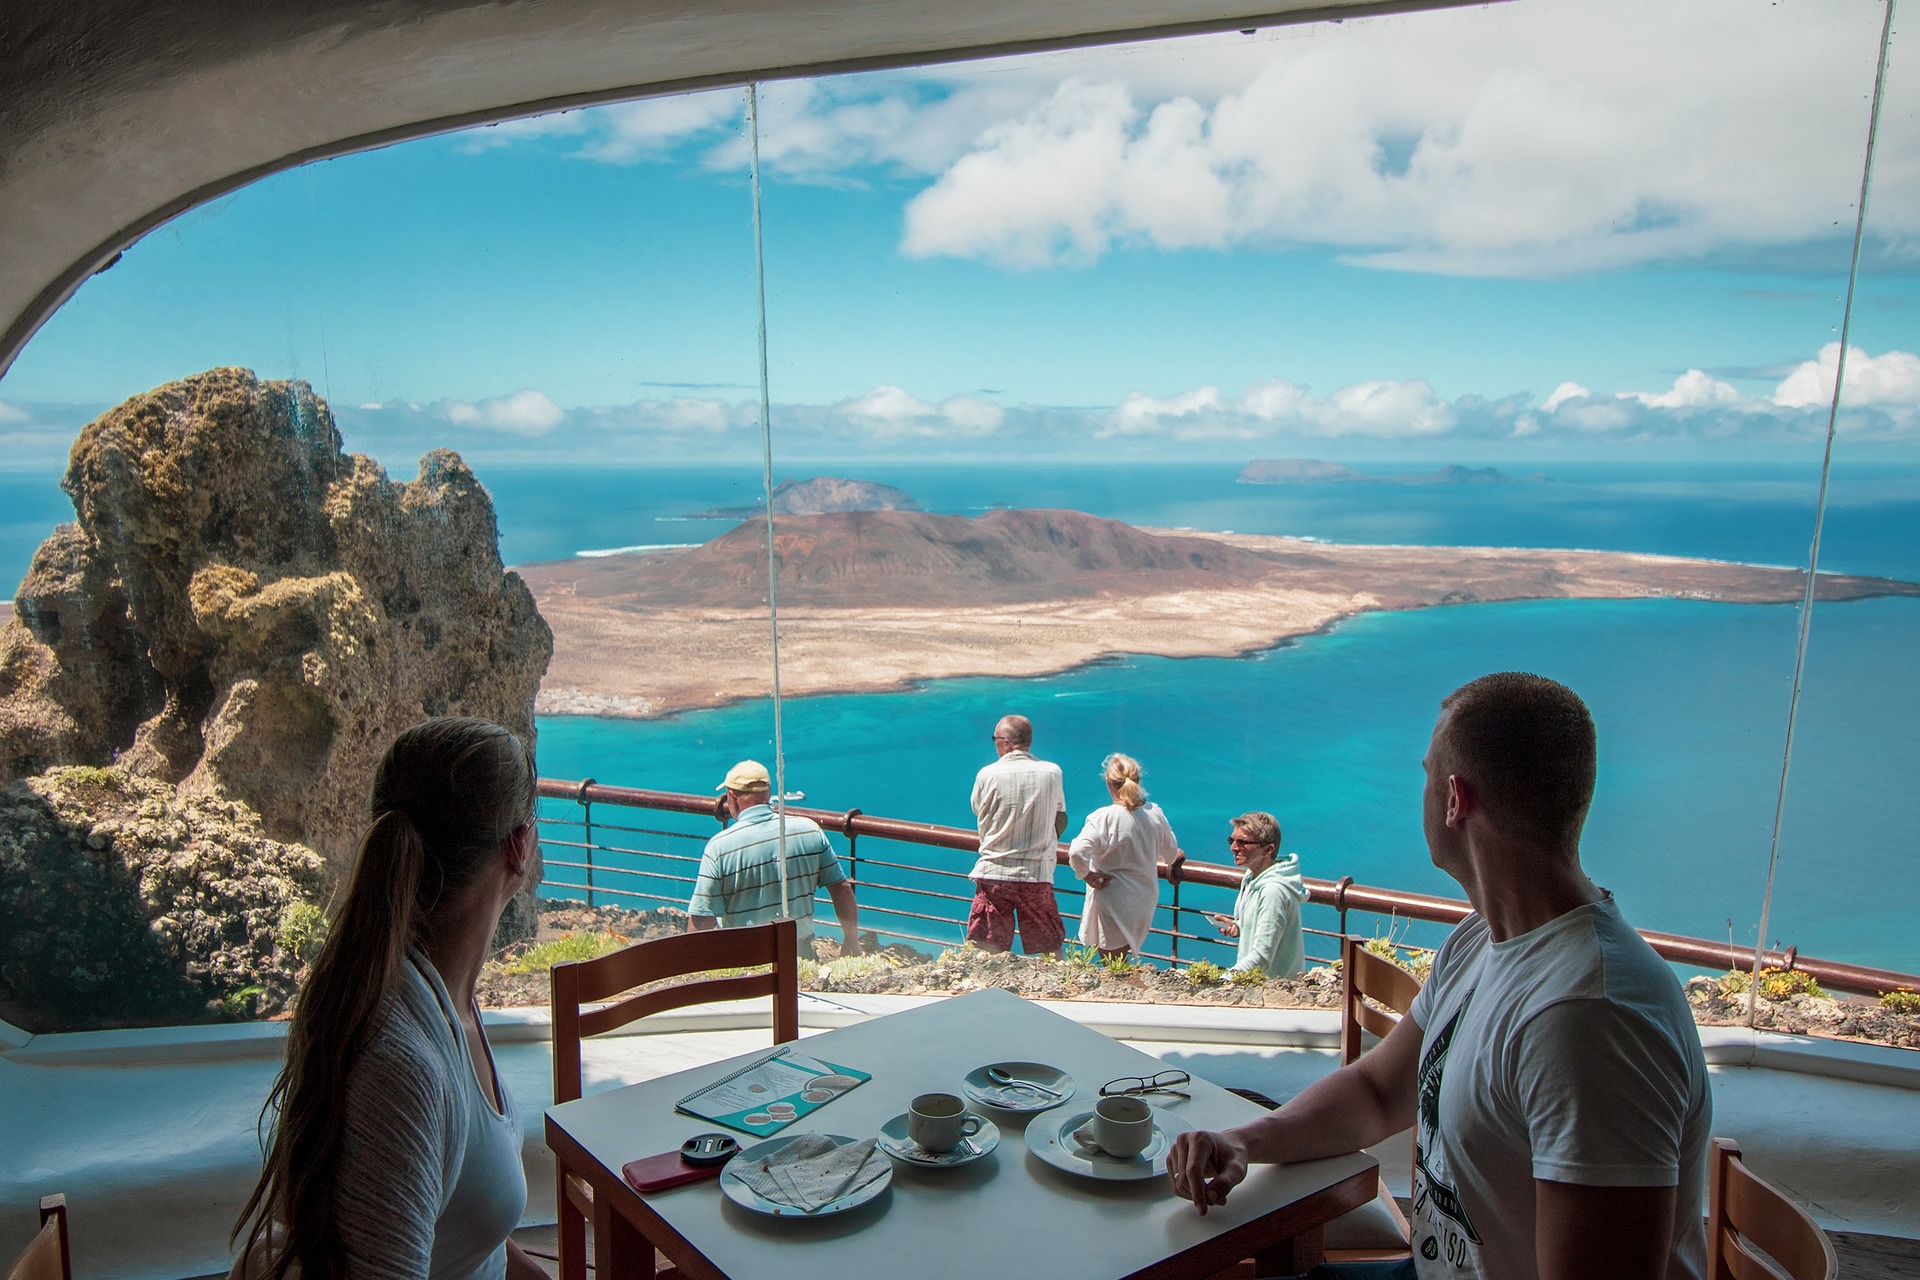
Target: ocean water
1328,731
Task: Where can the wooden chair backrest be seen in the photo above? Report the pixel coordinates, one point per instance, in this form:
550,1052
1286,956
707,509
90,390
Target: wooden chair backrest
47,1256
1745,1210
1363,974
581,982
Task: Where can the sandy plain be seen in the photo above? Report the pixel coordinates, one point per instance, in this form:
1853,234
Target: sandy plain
632,653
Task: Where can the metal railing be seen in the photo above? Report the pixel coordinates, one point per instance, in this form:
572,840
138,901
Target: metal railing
888,894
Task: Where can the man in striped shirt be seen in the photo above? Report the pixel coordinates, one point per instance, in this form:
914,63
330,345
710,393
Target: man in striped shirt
739,882
1021,807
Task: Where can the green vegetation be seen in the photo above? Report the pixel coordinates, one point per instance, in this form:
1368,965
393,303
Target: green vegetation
1079,957
109,777
1205,973
1119,966
584,945
238,1006
1775,984
1904,1000
1254,977
1414,960
302,928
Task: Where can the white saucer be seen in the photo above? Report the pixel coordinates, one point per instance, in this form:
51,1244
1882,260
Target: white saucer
894,1140
1011,1097
747,1198
1052,1140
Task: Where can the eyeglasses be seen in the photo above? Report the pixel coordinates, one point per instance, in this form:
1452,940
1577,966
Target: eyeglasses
1131,1086
1239,841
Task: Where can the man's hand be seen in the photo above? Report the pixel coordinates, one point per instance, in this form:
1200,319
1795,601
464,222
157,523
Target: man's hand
1203,1166
1225,924
1098,879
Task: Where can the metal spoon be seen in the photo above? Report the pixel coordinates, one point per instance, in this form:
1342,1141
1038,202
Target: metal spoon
999,1076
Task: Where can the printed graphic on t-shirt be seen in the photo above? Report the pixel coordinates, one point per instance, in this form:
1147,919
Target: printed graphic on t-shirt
1432,1192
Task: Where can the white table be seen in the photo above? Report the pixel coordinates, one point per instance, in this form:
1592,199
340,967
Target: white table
1008,1214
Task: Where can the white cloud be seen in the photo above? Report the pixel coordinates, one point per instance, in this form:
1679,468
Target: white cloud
1693,390
888,411
524,413
1381,409
1520,140
1564,392
646,130
12,414
1891,379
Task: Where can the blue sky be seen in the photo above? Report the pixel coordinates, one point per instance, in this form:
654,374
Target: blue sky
1531,230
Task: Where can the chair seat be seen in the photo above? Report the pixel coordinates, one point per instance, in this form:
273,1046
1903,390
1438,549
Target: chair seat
1376,1226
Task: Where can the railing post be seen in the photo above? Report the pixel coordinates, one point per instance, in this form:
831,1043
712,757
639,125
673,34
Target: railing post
1173,878
1340,901
586,829
853,844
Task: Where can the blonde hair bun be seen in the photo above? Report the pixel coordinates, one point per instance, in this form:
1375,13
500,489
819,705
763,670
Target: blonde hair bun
1123,776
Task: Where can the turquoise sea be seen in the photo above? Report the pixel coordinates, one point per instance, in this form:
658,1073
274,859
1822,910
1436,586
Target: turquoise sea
1328,731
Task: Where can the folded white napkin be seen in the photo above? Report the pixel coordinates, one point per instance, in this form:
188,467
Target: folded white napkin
813,1170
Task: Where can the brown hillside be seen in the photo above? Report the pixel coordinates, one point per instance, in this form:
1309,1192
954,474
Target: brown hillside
913,558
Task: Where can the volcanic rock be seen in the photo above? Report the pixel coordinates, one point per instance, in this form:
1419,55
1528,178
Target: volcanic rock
245,610
822,495
128,904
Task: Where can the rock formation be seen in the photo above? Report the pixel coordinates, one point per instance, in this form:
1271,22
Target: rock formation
128,904
821,495
247,612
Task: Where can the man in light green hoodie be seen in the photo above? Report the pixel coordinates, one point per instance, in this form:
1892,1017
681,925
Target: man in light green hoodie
1266,917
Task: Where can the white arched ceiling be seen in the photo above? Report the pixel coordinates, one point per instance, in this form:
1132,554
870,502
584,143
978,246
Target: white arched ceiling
116,115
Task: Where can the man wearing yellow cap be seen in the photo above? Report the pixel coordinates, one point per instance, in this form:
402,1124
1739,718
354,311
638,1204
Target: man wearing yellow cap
739,881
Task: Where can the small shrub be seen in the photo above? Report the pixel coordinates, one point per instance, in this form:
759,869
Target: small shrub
1254,977
303,927
1775,984
109,777
1204,973
237,1006
846,968
1905,1000
1414,960
1119,966
1078,957
543,956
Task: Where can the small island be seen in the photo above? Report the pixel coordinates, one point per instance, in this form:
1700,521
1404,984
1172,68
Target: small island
822,495
1313,471
881,600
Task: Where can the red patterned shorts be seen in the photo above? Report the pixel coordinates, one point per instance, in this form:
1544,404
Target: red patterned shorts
1000,905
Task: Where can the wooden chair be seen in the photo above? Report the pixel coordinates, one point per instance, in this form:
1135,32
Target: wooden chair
594,982
1744,1210
48,1256
1377,1231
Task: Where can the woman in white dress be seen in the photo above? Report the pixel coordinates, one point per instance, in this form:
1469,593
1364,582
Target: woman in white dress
1119,853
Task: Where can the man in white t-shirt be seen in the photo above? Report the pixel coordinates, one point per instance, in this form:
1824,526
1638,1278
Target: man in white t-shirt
1550,1064
1021,808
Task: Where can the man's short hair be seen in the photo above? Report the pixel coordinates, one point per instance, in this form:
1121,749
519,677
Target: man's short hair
1259,827
1017,730
1527,745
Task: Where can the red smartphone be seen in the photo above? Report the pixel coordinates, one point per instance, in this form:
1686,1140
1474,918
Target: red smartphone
695,1160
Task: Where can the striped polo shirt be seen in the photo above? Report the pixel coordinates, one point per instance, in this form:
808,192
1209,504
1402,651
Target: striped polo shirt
739,879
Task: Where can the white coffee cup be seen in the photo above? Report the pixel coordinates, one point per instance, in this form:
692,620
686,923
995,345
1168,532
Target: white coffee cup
1122,1126
937,1121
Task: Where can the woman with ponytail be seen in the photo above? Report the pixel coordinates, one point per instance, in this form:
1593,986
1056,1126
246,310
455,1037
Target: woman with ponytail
395,1150
1119,853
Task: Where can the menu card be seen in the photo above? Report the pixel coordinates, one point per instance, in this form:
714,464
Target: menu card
770,1093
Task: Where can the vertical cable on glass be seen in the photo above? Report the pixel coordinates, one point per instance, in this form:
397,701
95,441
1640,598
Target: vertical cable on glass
1819,520
766,486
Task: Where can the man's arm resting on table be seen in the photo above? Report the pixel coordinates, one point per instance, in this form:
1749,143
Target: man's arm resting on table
1354,1107
1600,1233
847,912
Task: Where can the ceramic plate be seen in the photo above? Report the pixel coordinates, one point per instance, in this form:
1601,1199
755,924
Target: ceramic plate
896,1143
747,1198
1053,1141
1013,1097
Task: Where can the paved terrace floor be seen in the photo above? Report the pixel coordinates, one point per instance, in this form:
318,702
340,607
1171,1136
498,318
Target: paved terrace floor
150,1134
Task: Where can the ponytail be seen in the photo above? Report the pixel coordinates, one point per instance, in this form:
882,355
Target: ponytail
446,795
1123,775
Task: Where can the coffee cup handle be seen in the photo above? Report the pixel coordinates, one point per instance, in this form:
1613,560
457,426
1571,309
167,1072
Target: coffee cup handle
970,1125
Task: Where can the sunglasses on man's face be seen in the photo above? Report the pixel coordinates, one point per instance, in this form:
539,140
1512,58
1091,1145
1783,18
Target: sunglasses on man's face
1132,1086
